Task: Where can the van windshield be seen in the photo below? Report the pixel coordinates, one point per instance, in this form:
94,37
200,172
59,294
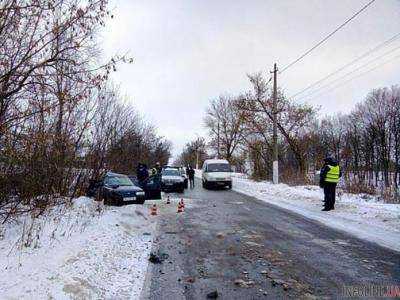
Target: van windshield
218,168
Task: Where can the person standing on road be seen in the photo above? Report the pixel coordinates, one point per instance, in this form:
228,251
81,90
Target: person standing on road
190,174
187,170
156,173
329,177
141,172
156,170
159,168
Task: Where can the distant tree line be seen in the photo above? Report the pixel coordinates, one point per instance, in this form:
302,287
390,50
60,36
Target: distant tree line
194,153
61,121
365,141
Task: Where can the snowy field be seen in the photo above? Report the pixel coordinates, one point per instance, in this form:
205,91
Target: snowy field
87,252
361,215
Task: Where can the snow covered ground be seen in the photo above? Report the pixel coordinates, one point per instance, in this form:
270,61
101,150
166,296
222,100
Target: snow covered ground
85,252
360,215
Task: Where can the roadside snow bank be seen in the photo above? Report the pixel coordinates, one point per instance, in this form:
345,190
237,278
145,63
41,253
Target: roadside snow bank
84,251
360,215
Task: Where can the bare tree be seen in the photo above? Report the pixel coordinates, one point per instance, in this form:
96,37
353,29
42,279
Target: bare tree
293,119
59,121
225,124
195,152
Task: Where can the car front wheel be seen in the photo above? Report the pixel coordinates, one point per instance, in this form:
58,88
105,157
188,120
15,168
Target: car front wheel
107,201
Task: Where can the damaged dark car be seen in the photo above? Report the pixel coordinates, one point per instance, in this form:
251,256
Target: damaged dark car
119,189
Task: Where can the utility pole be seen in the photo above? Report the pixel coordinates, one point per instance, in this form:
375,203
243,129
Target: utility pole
218,139
275,168
197,150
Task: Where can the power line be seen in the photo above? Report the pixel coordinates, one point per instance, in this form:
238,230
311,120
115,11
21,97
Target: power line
392,39
327,37
351,72
357,76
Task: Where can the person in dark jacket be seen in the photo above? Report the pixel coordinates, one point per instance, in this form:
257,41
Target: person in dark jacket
329,177
141,172
138,171
190,174
187,170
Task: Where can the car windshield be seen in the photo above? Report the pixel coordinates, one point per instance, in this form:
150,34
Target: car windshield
118,180
218,168
171,172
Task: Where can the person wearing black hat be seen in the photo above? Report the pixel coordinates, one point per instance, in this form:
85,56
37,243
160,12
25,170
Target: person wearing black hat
141,172
329,177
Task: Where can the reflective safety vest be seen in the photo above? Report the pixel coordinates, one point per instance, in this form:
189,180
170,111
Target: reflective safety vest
333,174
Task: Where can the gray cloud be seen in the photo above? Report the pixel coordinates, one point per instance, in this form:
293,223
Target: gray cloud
188,52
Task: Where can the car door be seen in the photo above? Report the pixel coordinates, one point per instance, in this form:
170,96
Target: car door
152,187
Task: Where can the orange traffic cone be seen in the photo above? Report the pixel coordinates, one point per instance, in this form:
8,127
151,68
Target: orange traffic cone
180,207
182,204
168,201
153,210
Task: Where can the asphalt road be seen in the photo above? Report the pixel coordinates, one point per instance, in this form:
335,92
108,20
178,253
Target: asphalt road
244,248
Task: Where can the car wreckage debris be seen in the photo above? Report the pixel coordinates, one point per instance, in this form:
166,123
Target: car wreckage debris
158,258
213,295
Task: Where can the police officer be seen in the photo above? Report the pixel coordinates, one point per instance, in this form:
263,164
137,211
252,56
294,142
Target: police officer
159,168
156,170
329,177
190,174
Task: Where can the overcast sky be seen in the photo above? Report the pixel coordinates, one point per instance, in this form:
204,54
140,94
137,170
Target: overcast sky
187,52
